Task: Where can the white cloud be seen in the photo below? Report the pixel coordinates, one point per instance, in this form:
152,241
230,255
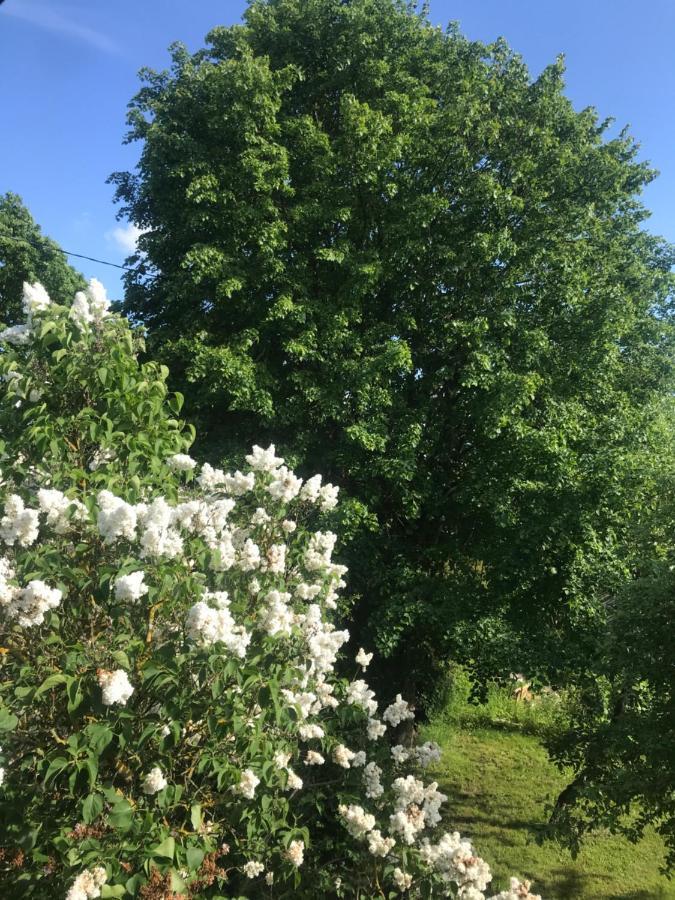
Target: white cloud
125,237
46,18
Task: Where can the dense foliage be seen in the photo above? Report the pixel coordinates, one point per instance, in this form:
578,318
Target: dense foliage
424,274
621,742
27,255
172,723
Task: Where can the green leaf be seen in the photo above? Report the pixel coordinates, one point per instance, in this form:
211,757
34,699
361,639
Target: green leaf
165,849
121,815
194,855
196,816
92,807
53,681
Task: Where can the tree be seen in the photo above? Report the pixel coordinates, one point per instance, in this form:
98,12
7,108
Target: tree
172,721
27,255
423,273
621,738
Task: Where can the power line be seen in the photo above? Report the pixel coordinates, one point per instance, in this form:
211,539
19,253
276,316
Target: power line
55,248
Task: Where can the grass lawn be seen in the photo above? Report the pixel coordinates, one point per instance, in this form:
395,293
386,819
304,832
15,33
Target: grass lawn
498,780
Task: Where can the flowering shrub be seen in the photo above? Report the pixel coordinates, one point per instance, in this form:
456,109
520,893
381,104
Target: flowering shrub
173,724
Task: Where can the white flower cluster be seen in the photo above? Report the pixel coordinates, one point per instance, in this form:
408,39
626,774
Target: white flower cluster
248,783
295,853
116,687
416,807
154,781
20,524
181,462
207,625
398,712
456,862
130,588
90,306
28,605
60,511
357,821
252,869
422,756
518,890
35,300
286,590
88,884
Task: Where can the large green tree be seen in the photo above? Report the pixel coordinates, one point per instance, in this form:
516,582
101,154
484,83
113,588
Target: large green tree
424,273
27,255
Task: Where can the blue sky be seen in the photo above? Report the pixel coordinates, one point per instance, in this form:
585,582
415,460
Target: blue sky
68,69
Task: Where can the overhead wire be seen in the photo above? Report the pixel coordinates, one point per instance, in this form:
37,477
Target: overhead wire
54,248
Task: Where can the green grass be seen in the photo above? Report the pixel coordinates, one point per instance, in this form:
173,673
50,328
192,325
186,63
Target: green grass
499,781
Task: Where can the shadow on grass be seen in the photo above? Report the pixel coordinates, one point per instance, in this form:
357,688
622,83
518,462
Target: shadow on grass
567,884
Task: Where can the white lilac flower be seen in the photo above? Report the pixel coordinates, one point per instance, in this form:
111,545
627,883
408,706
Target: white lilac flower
32,602
154,781
285,485
115,685
16,334
269,878
80,312
181,462
289,526
402,880
295,852
99,304
311,489
293,781
158,538
260,516
56,507
307,591
427,753
19,525
116,519
357,821
379,845
363,659
131,587
400,754
311,732
35,298
359,759
371,780
328,497
264,460
209,478
248,558
455,860
359,694
398,712
248,783
312,758
277,616
319,551
518,890
275,559
252,869
342,756
88,884
303,701
207,626
239,483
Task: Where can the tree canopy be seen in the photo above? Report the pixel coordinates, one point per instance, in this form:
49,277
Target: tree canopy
27,255
422,272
